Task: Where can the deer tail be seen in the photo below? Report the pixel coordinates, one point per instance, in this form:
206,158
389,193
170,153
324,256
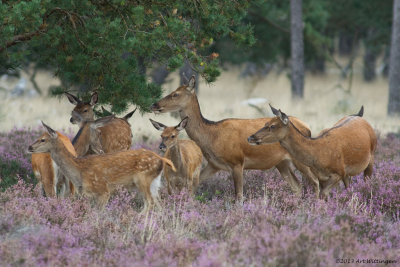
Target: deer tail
360,113
169,163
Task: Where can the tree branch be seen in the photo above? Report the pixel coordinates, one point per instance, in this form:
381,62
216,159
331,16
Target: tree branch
22,38
270,22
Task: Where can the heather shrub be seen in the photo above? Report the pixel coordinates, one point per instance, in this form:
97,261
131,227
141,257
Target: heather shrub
273,227
15,162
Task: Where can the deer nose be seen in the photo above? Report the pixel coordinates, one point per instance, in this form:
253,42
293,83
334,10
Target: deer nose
162,146
250,139
71,120
30,148
154,106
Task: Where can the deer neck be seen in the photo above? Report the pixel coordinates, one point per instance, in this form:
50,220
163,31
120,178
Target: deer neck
197,127
81,140
300,147
66,162
175,155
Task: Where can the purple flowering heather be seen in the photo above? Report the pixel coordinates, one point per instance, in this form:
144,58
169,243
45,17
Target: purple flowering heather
273,227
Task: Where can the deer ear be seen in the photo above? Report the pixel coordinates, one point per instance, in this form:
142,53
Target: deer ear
72,99
105,111
159,126
53,134
274,110
129,115
284,118
94,98
101,122
182,124
192,84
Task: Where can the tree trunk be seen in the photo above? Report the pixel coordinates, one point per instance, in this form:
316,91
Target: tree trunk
297,48
394,65
186,72
369,64
345,43
159,74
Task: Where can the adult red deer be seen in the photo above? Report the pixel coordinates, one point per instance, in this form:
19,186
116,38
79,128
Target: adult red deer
99,175
115,135
336,154
184,154
48,174
224,143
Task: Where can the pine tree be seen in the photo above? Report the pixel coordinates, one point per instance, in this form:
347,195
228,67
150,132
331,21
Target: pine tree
109,46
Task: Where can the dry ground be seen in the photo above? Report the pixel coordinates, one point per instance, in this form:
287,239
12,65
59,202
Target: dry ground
326,101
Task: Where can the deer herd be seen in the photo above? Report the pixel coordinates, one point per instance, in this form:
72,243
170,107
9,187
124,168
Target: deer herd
100,158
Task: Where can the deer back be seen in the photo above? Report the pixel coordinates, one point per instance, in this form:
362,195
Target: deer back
116,136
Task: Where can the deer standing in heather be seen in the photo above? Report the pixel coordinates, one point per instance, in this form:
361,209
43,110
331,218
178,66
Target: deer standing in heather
114,136
99,175
184,154
336,154
224,143
48,174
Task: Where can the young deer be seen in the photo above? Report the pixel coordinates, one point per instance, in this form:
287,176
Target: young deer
88,139
98,175
224,143
115,135
184,154
336,154
48,174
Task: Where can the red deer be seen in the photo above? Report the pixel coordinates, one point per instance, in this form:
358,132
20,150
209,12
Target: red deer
115,135
336,154
184,154
224,143
47,172
98,175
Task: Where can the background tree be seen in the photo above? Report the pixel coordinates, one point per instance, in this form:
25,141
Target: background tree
394,66
297,48
108,46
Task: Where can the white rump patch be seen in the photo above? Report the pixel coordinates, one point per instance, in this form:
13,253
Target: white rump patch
155,186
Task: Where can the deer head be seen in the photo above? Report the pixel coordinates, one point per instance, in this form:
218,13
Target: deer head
84,109
176,100
45,142
169,135
92,134
273,131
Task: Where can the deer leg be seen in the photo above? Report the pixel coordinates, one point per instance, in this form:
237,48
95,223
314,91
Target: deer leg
327,186
49,189
346,181
196,178
190,183
237,175
62,183
284,169
370,168
102,200
208,171
168,179
148,199
309,174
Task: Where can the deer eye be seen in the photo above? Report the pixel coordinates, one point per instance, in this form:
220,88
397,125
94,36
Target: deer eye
175,95
172,136
272,127
85,110
42,140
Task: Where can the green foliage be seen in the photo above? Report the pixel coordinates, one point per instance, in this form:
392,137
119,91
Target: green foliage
10,171
108,45
324,21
